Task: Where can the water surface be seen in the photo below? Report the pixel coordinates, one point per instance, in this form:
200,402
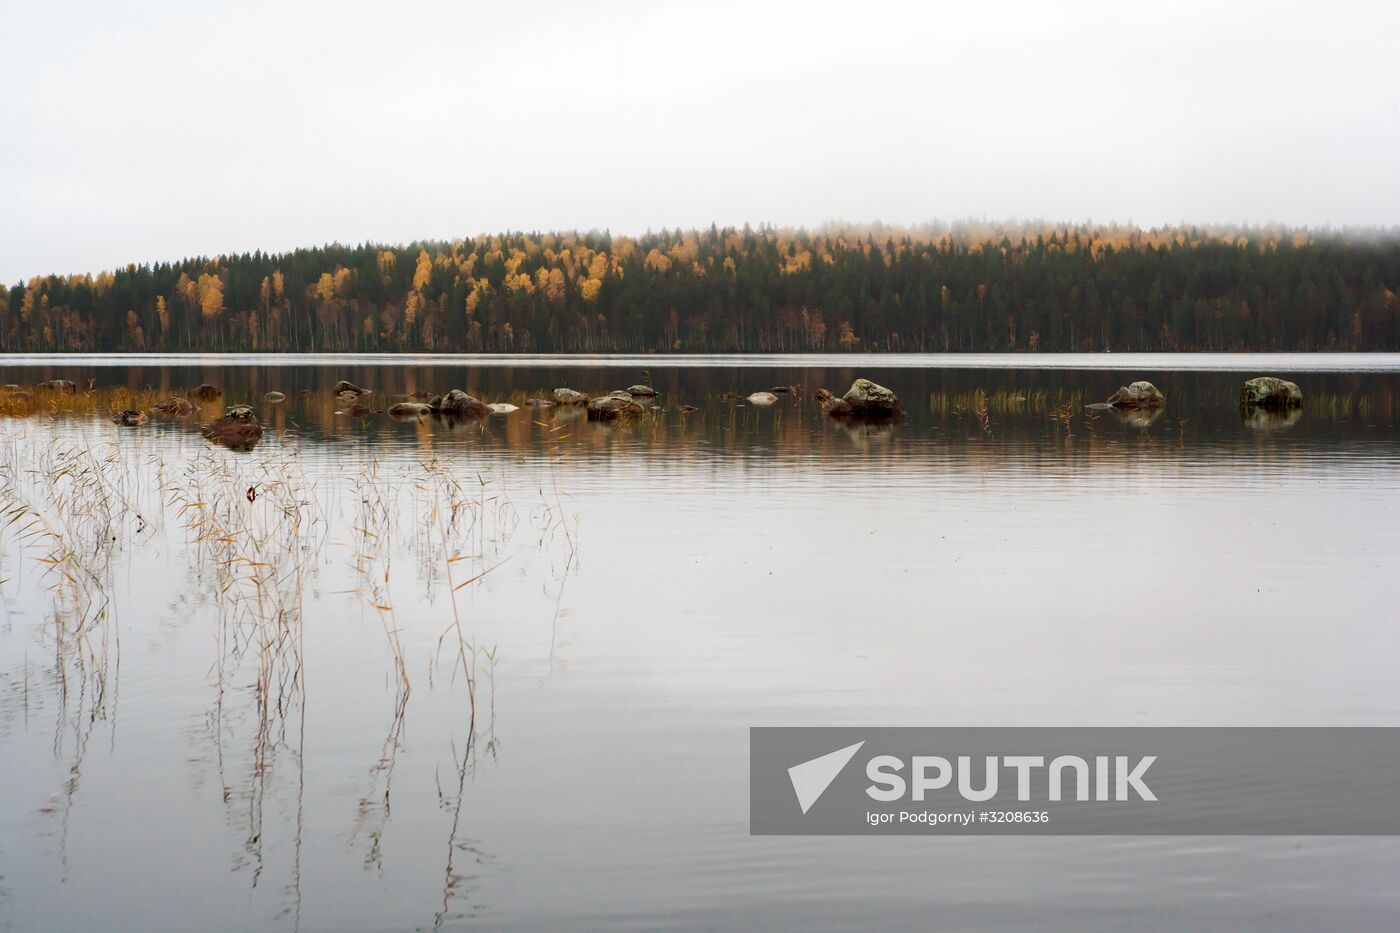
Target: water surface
216,733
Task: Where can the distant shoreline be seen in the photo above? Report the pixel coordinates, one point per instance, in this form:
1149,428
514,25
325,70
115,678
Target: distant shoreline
968,289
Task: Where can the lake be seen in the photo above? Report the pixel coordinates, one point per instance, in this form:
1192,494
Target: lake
379,674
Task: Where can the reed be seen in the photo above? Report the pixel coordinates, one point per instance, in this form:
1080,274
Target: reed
252,532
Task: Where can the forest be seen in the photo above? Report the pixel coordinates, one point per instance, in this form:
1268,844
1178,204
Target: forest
935,288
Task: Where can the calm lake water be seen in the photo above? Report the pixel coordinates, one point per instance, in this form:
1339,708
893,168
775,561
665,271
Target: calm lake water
399,675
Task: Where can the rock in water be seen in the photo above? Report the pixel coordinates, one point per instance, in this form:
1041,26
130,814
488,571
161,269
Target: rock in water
1138,395
612,408
275,397
238,429
619,393
868,399
569,397
408,410
129,418
762,398
345,386
459,404
65,386
641,391
502,408
206,393
1271,394
173,407
539,403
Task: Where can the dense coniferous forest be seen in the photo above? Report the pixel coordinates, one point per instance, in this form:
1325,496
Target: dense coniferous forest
968,287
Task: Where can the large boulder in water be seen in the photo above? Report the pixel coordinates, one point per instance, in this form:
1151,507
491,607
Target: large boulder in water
870,400
459,404
1270,393
569,397
612,408
1138,395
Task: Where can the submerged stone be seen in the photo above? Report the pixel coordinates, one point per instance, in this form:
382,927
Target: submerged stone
459,404
1138,395
408,410
238,429
344,386
173,407
612,408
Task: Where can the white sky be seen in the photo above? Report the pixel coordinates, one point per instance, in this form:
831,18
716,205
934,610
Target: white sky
141,131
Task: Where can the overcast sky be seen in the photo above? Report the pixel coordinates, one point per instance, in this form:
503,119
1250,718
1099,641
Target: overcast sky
140,131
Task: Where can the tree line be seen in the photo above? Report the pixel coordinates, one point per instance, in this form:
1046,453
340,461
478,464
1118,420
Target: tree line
966,287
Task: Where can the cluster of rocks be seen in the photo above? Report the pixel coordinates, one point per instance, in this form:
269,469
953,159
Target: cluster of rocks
14,392
1262,393
617,405
239,428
